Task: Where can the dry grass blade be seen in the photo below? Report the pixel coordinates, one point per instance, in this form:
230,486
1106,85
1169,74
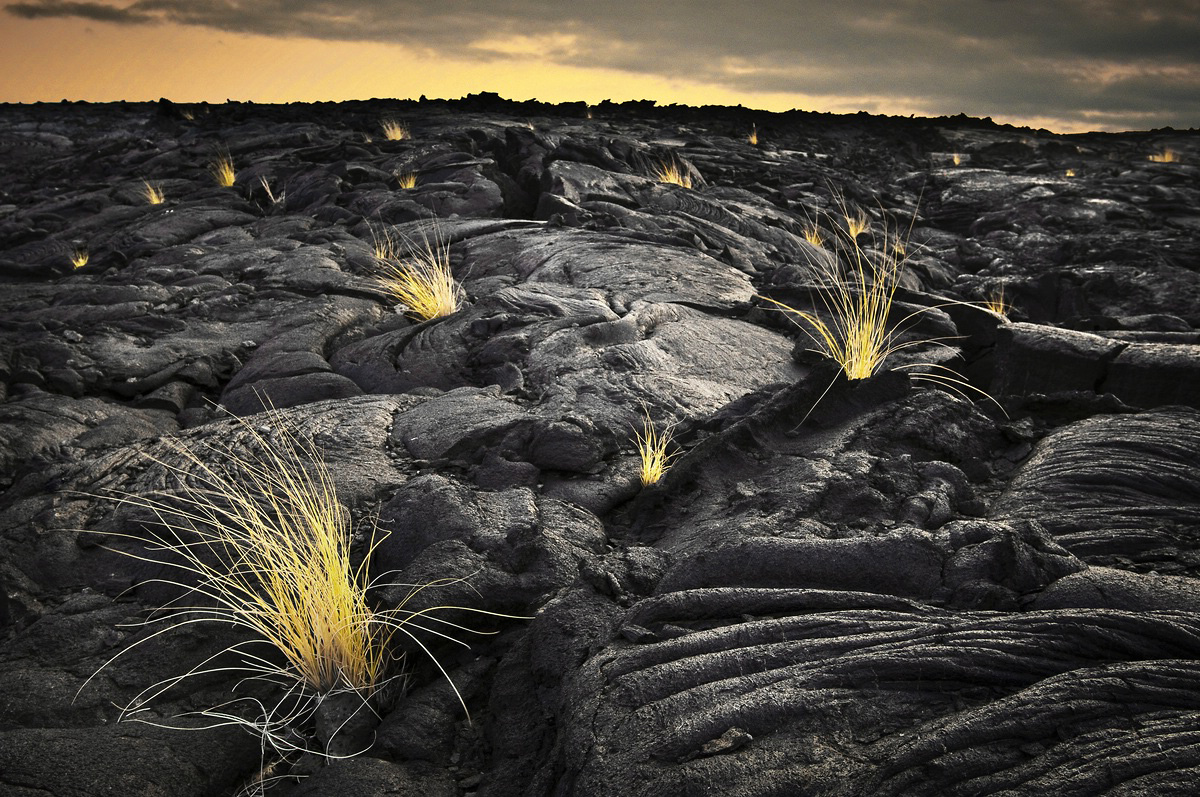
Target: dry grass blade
652,450
418,276
395,130
222,170
672,172
152,193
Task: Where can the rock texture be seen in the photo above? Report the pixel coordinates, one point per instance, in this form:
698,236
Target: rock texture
869,587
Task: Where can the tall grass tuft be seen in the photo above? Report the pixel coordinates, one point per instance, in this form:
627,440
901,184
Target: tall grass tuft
652,450
852,325
856,222
395,130
672,172
418,275
752,139
262,544
222,170
152,193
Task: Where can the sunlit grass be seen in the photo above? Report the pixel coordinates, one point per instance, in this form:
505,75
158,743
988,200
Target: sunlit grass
395,130
222,170
753,137
152,193
262,543
418,275
997,304
852,324
856,222
956,159
672,172
652,451
1168,155
1069,173
406,180
79,257
812,233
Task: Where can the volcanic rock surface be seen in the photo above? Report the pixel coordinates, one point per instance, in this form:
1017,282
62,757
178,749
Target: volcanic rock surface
889,586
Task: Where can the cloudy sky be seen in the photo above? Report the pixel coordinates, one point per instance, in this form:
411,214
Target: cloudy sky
1068,65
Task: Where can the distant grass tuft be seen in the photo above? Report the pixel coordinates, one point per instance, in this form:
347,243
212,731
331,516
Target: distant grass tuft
79,257
753,137
812,233
152,193
1168,155
395,130
674,173
856,222
222,170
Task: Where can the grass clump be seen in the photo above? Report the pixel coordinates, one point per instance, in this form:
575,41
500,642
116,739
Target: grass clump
752,139
152,193
263,544
418,275
997,304
1168,155
406,180
395,130
79,257
652,450
222,170
673,173
856,222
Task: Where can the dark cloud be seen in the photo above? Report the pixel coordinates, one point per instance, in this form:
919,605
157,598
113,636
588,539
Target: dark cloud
94,11
1075,60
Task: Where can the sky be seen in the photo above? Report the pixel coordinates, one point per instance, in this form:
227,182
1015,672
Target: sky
1066,65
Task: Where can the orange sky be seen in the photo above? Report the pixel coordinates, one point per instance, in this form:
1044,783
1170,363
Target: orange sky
53,59
1070,66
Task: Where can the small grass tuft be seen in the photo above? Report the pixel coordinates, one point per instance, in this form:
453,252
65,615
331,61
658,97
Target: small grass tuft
672,172
152,193
856,222
418,275
812,233
406,180
79,257
1069,173
395,130
997,304
1168,155
652,450
222,170
753,137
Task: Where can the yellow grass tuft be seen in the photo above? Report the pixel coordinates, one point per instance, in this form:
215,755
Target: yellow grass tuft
418,276
1168,155
753,137
152,193
395,130
674,173
652,450
856,223
812,233
406,180
79,257
262,543
956,159
1069,173
222,170
997,304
